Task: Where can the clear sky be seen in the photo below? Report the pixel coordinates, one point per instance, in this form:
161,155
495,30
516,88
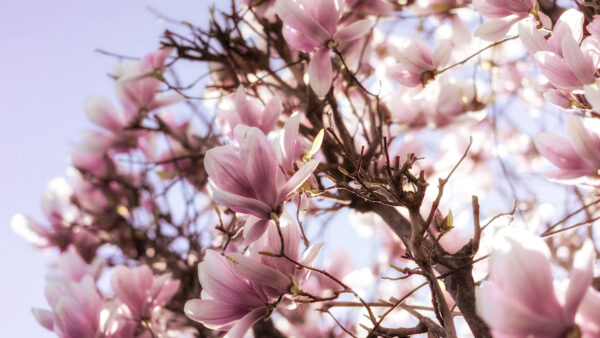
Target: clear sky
48,68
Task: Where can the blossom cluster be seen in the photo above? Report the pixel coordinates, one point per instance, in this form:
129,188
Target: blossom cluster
350,168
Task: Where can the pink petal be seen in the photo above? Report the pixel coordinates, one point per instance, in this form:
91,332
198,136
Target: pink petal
220,282
44,318
247,111
580,278
260,164
254,228
299,41
556,70
291,14
402,75
353,31
100,111
594,27
519,266
588,319
242,326
558,151
320,71
298,179
580,64
416,57
245,205
442,53
222,165
557,98
592,94
582,142
270,115
326,12
258,273
212,313
131,286
532,38
504,312
290,137
496,29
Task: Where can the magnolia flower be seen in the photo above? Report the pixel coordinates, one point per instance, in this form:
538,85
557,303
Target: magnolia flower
520,300
271,242
138,83
249,178
560,58
577,156
417,63
248,112
311,26
141,291
233,293
503,15
100,111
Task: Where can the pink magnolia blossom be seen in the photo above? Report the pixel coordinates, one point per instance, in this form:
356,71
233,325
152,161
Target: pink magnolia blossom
231,301
141,291
519,299
271,242
248,112
560,58
59,210
577,156
249,178
313,27
138,83
100,111
503,15
417,63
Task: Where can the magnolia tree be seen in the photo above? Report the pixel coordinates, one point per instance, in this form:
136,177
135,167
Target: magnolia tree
321,168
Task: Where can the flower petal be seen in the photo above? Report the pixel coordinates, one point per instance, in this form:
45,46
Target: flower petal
292,15
353,31
243,325
298,179
258,273
320,71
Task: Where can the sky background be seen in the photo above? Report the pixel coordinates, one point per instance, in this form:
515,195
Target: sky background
48,68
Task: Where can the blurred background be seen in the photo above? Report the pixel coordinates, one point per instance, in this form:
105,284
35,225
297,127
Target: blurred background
48,67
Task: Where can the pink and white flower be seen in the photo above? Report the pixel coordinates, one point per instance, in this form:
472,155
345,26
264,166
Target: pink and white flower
417,63
250,179
141,291
519,298
233,293
312,27
249,113
576,157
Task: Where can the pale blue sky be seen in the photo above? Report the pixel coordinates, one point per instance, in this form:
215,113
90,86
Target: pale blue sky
47,69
